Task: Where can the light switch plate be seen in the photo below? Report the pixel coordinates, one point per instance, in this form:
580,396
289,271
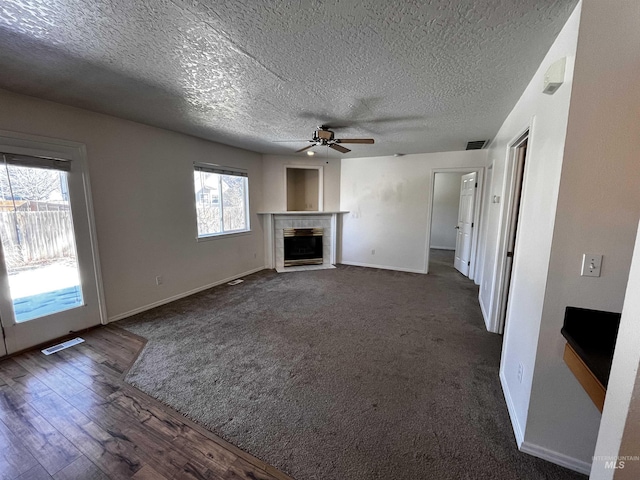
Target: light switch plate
591,265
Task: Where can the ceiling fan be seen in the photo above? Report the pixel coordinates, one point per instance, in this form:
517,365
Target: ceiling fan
324,136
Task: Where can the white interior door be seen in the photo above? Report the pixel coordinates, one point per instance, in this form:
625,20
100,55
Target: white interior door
48,267
465,223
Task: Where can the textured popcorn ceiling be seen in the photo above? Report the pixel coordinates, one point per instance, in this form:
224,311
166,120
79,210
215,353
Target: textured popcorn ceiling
418,76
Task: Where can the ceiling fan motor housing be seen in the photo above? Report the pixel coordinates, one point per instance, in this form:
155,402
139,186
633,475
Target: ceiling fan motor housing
324,135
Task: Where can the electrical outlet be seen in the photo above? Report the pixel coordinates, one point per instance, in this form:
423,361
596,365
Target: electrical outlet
159,280
591,264
373,251
520,372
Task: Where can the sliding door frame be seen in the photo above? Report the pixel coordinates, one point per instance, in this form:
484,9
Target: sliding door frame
37,146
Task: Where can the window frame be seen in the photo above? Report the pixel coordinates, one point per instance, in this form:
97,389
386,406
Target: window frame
228,171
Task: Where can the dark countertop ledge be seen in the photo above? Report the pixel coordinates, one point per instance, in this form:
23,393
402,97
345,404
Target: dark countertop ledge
592,334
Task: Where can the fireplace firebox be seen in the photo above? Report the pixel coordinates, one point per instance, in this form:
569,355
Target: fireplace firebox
302,246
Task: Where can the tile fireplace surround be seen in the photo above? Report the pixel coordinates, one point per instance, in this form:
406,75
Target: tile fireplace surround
275,222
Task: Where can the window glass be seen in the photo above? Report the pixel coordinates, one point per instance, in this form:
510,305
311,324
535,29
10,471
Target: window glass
233,195
221,202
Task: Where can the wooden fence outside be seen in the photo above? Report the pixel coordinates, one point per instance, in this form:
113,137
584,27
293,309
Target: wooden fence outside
34,237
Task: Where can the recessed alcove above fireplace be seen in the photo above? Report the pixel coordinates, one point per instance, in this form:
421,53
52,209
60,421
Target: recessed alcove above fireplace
275,224
304,188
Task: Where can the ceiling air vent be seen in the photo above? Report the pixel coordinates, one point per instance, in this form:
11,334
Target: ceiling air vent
477,144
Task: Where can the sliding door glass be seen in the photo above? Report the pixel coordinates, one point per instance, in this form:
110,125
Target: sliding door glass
36,230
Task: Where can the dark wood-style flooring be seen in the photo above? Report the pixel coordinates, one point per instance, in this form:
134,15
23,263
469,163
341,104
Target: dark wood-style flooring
70,416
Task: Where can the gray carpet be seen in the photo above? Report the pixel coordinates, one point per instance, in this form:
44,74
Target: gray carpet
349,373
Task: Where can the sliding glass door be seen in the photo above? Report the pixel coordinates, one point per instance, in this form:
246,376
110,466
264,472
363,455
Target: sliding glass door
48,277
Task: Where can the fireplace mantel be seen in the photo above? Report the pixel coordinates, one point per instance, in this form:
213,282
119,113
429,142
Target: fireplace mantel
275,222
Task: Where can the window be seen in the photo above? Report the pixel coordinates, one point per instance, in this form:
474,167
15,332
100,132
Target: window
222,200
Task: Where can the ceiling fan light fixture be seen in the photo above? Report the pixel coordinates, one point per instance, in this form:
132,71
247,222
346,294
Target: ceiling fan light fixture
311,153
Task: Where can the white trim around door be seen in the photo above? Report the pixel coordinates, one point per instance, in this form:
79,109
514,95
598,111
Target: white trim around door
476,215
20,335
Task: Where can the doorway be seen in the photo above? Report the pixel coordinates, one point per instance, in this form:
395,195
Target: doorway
454,218
49,283
518,160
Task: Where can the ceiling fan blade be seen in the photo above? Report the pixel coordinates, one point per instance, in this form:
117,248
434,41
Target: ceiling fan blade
339,148
289,141
354,140
305,148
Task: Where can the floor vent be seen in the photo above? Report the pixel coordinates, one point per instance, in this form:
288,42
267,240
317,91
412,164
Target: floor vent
62,346
477,144
235,282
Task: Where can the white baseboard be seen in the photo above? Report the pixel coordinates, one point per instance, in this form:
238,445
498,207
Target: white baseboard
443,248
383,267
517,429
557,458
485,315
179,296
536,450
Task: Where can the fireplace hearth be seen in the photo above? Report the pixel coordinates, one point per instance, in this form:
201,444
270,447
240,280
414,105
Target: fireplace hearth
302,246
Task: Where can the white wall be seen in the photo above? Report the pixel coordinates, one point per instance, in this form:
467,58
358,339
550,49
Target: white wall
631,436
629,452
309,188
598,211
446,203
619,433
484,227
389,203
547,117
274,180
143,198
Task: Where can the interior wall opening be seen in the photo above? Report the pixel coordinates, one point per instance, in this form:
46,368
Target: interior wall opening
453,228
